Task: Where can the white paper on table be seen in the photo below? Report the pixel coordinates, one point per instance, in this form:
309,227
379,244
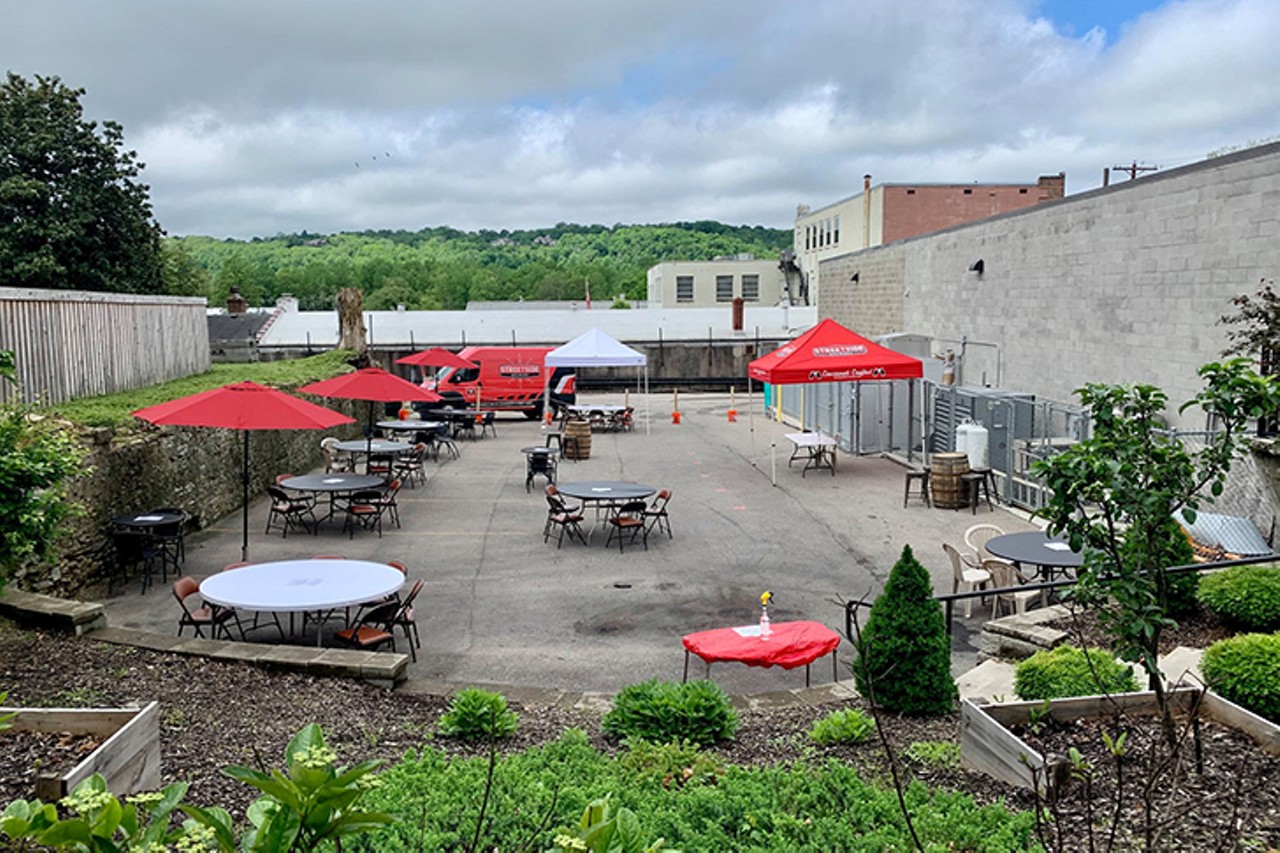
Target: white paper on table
748,631
332,480
601,489
1057,546
148,518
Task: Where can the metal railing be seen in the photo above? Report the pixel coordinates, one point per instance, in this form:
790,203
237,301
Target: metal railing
948,600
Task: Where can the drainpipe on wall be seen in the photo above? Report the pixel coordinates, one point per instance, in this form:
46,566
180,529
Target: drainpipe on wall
866,210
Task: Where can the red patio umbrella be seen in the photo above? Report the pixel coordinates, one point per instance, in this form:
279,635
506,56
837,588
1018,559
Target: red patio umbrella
375,385
435,357
243,406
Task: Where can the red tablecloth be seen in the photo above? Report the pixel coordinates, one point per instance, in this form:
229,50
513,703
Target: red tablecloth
792,644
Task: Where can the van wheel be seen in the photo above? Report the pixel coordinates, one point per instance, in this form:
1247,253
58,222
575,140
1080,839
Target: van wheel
535,413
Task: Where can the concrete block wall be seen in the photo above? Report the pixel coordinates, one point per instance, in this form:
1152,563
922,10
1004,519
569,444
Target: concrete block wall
873,305
1122,284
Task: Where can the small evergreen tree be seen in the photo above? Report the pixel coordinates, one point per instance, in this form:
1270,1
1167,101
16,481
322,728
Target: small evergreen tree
904,655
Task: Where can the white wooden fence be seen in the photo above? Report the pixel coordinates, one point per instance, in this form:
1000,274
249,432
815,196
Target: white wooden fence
71,344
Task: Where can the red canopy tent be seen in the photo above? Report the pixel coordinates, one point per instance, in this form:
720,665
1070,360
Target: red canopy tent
436,357
831,353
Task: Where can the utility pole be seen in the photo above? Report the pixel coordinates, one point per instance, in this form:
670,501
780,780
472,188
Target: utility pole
1133,169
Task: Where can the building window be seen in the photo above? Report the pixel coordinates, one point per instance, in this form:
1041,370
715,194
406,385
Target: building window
911,192
724,288
835,235
1022,191
751,288
968,192
684,288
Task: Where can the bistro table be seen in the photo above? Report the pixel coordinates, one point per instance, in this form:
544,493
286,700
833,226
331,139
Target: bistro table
333,485
302,586
790,644
818,450
605,494
1035,548
409,425
147,520
376,447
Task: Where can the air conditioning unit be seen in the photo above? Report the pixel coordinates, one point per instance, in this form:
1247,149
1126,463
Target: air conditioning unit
1008,416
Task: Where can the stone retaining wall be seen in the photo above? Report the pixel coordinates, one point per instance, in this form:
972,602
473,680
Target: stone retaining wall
142,467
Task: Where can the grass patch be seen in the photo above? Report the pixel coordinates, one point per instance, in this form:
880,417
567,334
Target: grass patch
115,410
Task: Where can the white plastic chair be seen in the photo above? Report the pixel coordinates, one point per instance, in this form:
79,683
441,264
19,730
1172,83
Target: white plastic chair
975,539
965,578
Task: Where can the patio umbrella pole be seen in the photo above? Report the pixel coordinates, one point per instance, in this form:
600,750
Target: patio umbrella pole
244,545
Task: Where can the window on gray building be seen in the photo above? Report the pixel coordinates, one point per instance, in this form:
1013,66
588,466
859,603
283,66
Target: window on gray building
751,288
684,288
724,288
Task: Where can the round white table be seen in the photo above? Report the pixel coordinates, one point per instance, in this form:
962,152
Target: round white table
301,586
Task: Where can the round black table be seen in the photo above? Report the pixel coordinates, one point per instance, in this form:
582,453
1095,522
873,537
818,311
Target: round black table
333,485
1035,548
605,491
146,520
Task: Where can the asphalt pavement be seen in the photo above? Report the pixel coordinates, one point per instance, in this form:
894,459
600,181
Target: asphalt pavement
500,606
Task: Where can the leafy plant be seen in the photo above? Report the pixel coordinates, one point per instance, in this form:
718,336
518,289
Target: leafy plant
605,828
939,753
1246,596
1071,671
38,457
904,654
674,764
847,725
1246,670
100,823
697,711
477,714
312,804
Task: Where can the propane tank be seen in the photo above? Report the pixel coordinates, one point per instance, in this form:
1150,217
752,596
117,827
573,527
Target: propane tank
971,439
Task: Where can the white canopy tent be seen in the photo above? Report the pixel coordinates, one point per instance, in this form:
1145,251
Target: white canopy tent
594,348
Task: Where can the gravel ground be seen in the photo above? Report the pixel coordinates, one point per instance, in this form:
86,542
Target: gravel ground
215,713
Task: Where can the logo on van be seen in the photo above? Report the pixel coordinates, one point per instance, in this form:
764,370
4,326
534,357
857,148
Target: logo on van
518,371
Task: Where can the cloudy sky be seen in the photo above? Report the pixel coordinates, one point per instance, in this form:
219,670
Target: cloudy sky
255,118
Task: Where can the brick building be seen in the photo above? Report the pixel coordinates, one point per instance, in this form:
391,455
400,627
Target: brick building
889,212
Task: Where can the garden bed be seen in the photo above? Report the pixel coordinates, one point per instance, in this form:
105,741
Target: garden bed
1232,790
51,750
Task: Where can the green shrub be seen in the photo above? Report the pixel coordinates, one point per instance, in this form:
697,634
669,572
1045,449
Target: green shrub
698,712
1246,596
1246,670
904,651
848,725
477,714
939,753
1065,671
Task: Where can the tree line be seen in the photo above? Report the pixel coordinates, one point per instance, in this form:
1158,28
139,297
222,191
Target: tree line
443,268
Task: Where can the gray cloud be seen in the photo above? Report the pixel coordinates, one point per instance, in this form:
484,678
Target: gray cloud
255,118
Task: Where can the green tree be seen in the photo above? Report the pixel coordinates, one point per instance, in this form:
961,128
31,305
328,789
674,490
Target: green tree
72,214
1114,495
904,654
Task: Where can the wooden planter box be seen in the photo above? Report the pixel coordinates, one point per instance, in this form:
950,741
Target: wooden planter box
987,744
129,757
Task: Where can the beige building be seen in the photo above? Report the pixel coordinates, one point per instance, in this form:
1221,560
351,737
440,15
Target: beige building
705,284
889,212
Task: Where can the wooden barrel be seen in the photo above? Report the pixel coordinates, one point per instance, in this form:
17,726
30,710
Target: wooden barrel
945,470
580,446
